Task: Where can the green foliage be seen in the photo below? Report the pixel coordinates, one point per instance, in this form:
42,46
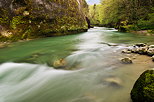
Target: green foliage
16,20
123,13
4,20
95,14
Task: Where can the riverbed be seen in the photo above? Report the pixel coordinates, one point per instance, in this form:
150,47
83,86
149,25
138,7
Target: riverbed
27,73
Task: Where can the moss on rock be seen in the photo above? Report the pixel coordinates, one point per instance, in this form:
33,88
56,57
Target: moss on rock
143,90
32,18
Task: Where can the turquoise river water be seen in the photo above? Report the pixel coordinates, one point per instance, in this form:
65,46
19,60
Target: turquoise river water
27,73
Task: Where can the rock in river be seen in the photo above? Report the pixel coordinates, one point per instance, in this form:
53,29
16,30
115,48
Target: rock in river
151,46
143,90
126,51
150,51
126,60
114,81
142,50
61,63
140,44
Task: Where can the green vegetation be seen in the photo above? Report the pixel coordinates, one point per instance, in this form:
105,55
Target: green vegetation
143,90
125,15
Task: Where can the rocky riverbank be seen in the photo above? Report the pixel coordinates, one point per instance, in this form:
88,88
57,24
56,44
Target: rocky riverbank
142,49
143,89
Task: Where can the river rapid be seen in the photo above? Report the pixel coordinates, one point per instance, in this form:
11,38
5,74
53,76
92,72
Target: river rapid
27,73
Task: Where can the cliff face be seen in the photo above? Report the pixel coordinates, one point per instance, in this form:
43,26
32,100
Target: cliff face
22,19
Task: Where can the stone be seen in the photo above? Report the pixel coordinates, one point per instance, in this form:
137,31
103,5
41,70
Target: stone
126,60
150,51
114,81
126,51
143,89
61,63
140,44
139,50
142,50
134,50
151,46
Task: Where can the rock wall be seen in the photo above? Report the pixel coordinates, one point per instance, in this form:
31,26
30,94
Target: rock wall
22,19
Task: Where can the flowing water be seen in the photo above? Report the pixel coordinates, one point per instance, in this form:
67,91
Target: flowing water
97,75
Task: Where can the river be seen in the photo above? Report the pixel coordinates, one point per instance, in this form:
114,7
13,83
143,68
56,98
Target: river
27,73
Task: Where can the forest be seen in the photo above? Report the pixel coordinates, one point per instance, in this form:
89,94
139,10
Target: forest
125,15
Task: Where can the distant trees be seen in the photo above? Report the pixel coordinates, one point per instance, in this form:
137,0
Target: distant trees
130,14
95,14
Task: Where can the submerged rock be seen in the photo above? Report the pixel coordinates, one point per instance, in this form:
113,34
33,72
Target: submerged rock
126,60
114,81
127,51
143,90
61,63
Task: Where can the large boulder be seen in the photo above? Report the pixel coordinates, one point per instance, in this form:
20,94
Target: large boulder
143,90
39,18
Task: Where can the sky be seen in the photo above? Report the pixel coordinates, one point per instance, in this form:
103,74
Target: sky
91,2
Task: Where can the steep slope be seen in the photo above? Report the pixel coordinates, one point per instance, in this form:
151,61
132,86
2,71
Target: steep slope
22,19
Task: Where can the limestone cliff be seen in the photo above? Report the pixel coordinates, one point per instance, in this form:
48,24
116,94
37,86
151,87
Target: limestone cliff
22,19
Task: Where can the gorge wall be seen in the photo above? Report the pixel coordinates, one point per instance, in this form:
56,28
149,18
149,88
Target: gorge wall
22,19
